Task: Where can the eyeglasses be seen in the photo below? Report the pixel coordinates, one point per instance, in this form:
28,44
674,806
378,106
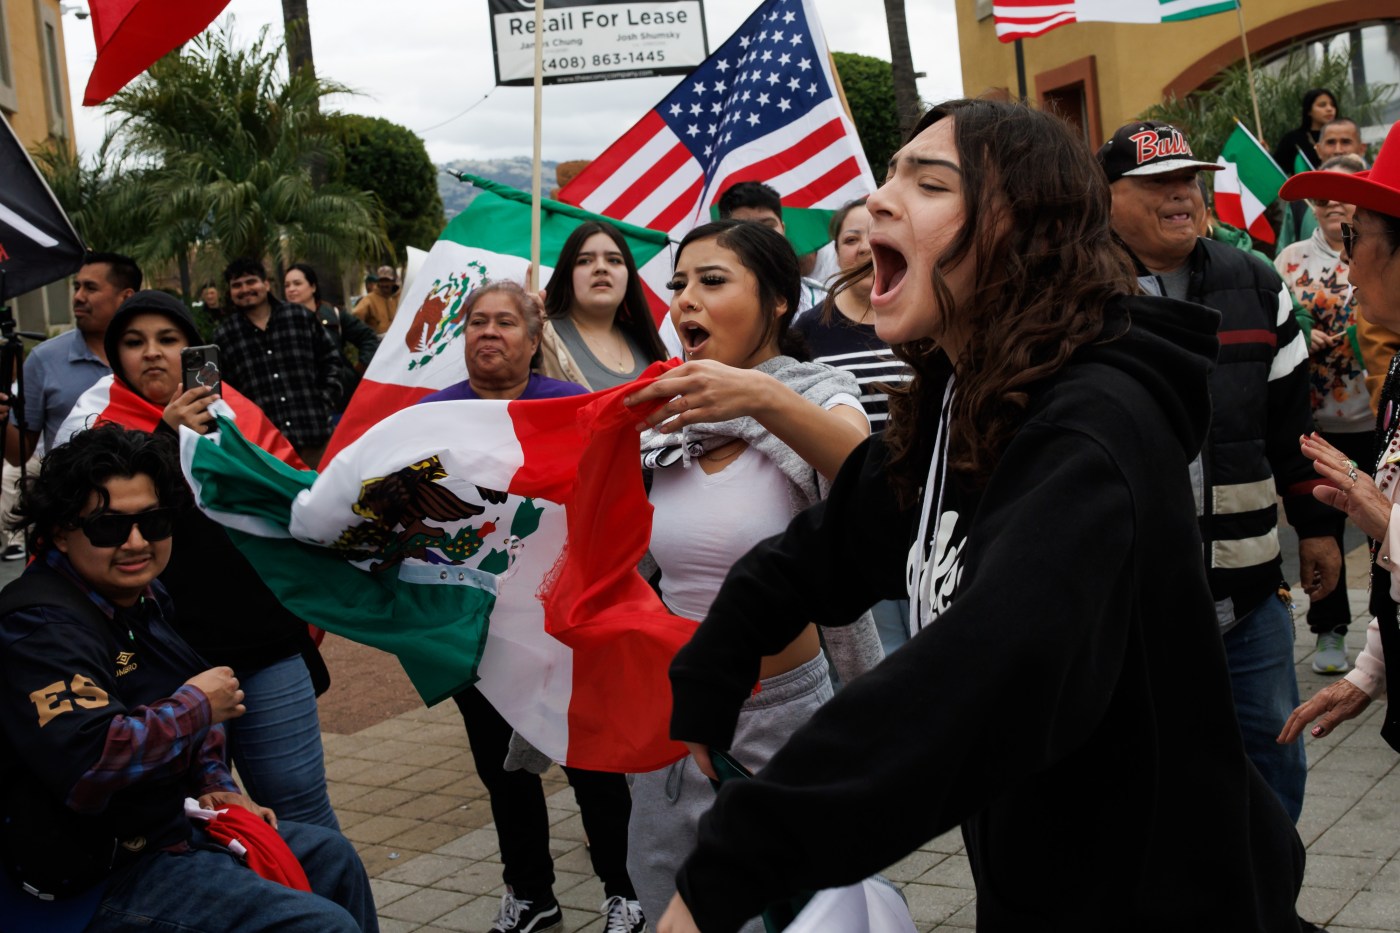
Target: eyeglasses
1349,236
113,529
1322,202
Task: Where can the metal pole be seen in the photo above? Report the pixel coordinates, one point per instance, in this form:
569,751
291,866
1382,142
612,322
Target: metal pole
535,187
1249,71
1020,72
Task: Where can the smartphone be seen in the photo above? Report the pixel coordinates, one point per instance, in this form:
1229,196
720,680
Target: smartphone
199,366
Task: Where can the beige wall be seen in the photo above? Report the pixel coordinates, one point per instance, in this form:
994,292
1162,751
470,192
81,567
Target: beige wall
1136,63
38,116
27,102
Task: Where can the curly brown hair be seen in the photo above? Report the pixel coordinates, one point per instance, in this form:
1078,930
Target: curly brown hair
1036,220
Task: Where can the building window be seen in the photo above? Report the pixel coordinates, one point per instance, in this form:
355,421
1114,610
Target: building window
51,68
1374,50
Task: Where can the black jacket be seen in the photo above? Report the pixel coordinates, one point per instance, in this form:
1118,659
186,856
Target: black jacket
1259,395
1043,709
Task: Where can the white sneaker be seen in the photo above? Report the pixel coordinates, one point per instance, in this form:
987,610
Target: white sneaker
1331,657
622,916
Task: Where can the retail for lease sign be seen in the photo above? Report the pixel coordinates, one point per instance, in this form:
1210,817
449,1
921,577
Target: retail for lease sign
597,40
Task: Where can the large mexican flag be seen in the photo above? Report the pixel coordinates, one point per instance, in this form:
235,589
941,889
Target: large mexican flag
481,542
422,351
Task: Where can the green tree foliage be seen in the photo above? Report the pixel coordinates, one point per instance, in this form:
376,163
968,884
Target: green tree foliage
869,86
1208,116
110,208
390,161
226,143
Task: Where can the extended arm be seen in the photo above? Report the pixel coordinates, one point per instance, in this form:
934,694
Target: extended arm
62,711
923,726
706,392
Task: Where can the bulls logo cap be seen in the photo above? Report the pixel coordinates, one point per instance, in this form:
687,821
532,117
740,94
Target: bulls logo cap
1147,147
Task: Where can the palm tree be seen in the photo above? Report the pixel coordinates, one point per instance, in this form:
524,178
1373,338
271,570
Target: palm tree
230,142
906,93
296,23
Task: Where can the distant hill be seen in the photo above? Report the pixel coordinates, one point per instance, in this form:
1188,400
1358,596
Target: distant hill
515,172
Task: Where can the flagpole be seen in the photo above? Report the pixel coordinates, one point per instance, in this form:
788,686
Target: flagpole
535,193
1020,72
840,88
1249,70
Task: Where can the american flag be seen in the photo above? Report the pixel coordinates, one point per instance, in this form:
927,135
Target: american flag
1026,19
761,108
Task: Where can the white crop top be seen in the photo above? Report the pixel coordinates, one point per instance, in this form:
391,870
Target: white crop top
704,523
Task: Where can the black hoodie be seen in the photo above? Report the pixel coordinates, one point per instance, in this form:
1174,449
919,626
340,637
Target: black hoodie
1046,708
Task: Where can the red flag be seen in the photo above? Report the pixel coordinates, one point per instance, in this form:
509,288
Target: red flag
132,34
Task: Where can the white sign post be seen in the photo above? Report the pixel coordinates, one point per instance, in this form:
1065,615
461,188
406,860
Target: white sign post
597,40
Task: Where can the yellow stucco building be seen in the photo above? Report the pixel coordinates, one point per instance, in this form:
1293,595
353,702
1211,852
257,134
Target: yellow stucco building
35,101
1101,75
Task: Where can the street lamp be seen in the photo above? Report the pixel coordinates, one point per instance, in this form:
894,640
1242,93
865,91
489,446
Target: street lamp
77,9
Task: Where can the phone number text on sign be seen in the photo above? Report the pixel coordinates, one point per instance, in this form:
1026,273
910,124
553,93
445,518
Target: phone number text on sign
598,40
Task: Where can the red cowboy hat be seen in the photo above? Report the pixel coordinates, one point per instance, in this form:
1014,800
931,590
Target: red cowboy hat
1375,190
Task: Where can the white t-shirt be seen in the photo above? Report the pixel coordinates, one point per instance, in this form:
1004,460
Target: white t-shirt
703,523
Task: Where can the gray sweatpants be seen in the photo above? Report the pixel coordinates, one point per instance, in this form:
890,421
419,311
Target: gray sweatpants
667,804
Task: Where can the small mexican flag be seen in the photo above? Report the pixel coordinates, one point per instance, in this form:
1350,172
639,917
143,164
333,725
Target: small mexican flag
1247,184
482,542
423,350
1301,163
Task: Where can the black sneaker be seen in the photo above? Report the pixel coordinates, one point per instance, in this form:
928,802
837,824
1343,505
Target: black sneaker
520,916
14,552
622,916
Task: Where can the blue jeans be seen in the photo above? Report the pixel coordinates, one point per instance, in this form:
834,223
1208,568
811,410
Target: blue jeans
277,743
210,890
1259,652
892,623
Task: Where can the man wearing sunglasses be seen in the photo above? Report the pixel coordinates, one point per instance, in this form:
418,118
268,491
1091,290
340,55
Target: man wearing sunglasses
109,721
1259,394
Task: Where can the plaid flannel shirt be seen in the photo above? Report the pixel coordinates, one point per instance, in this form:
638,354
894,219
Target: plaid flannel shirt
290,370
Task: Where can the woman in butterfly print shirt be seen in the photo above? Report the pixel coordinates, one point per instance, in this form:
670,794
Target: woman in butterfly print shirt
1315,271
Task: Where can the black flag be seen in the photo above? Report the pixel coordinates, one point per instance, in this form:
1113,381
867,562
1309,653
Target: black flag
38,245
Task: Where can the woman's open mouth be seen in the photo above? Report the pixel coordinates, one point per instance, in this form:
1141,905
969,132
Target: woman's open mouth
693,336
890,268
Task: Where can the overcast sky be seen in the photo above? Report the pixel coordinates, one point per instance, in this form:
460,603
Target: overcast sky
421,62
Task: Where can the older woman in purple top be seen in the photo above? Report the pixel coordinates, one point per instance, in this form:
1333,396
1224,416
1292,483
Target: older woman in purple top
503,347
503,325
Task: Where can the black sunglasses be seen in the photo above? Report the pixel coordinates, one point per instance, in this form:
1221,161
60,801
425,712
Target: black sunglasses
113,529
1349,238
